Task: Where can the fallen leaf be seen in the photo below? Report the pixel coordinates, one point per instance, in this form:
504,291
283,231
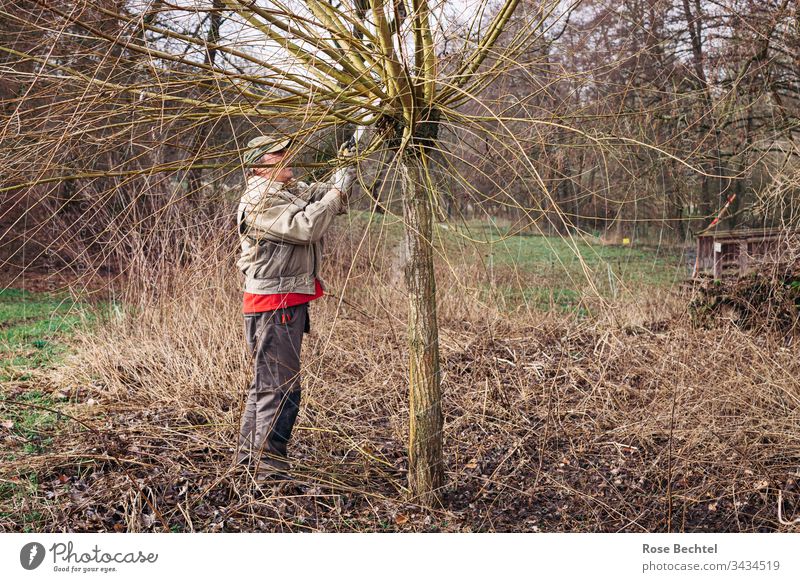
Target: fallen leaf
400,519
472,464
9,424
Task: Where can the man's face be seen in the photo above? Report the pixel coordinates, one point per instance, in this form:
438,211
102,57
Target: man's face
277,169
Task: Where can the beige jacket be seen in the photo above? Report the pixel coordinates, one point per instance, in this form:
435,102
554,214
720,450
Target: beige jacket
281,229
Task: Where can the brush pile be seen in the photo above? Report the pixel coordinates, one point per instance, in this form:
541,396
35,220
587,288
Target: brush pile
767,299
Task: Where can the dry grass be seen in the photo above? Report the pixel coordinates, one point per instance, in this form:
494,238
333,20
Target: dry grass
631,420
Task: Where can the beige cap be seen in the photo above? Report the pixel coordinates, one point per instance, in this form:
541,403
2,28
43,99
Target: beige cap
264,144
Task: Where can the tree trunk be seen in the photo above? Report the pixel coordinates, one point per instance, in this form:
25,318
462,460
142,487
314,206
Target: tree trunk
425,465
196,174
709,195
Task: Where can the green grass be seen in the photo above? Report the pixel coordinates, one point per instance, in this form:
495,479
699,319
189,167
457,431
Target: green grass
562,256
32,429
34,333
34,424
17,494
550,266
34,330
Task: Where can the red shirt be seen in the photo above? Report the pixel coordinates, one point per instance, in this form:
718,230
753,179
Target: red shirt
259,303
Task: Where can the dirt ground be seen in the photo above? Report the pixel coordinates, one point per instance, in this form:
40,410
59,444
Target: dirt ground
548,427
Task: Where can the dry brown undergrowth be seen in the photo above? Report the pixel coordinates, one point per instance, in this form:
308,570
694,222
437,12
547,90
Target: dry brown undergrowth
631,420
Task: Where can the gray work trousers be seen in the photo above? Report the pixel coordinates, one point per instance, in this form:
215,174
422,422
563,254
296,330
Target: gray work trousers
273,399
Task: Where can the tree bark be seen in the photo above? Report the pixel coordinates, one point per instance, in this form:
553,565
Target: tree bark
195,175
709,196
425,465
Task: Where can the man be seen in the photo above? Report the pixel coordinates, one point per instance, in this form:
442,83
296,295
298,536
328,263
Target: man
281,225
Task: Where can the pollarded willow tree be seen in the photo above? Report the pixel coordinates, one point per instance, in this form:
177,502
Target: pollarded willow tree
394,72
378,64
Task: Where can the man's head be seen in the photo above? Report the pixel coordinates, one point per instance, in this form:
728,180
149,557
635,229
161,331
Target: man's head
270,154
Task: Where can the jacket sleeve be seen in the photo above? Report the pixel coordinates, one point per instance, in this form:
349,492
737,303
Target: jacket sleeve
317,190
292,220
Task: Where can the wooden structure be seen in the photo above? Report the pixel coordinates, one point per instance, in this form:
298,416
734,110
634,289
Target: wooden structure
728,253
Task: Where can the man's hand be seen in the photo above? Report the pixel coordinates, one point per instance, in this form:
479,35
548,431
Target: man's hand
343,179
348,148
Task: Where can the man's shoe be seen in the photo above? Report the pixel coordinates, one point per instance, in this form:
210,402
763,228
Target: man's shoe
272,477
273,469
